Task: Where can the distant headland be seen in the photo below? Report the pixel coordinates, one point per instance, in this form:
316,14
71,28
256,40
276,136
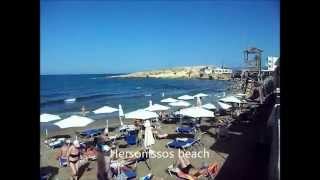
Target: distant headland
186,72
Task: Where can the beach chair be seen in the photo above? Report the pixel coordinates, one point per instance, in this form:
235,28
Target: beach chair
63,162
131,138
126,174
57,143
181,143
186,130
88,133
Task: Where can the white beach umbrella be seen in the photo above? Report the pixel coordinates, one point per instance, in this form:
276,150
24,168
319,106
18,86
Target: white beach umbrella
105,109
148,136
180,104
106,130
209,106
141,114
121,114
168,100
200,95
195,112
231,99
157,107
186,97
240,95
224,105
198,101
49,117
74,121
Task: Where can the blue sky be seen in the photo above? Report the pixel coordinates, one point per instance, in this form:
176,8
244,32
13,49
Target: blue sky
125,36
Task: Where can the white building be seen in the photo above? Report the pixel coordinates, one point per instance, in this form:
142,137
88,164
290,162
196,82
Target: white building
272,63
222,71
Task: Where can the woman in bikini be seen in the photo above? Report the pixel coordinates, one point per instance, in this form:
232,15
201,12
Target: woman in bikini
73,158
62,155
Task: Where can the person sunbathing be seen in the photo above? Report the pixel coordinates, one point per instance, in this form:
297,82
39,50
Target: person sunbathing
185,170
159,134
62,155
90,153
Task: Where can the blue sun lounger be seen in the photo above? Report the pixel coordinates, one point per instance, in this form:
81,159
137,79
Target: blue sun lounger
185,130
91,132
182,143
126,173
131,138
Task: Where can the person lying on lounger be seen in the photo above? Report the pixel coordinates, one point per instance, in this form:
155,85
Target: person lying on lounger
185,170
90,153
159,134
62,155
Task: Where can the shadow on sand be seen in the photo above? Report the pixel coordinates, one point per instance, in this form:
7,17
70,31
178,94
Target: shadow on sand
83,168
247,156
49,171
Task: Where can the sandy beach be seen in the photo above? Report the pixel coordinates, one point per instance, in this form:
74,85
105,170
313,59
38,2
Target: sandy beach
243,136
158,166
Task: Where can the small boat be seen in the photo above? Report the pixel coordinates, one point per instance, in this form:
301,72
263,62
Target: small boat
147,95
71,100
138,87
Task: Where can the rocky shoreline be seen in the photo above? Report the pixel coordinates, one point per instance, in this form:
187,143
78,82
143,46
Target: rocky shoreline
188,72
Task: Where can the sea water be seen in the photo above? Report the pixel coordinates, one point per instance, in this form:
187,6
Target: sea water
97,90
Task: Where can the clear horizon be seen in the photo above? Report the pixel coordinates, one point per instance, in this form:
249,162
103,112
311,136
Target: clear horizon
82,37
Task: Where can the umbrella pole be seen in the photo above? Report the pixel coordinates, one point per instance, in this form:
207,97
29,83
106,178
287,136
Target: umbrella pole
46,133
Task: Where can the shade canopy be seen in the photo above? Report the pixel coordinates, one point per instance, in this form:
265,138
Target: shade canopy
105,109
120,111
168,100
49,117
141,114
157,107
200,95
195,112
180,104
224,105
74,121
231,99
240,95
186,97
209,106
